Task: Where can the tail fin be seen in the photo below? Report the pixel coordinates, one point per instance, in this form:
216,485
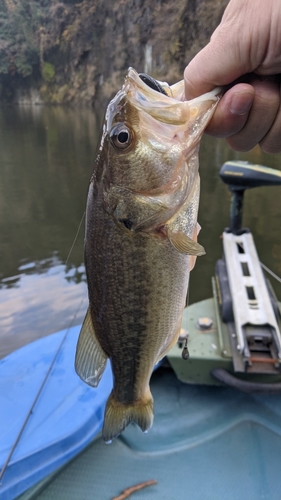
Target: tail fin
118,416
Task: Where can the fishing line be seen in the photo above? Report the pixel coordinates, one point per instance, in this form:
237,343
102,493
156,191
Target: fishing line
196,336
270,272
38,395
75,238
30,411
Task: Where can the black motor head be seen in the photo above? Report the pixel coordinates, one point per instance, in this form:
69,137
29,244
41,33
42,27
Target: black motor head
241,175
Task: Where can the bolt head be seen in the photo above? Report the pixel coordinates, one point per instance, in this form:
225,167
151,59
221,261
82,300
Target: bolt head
205,323
183,334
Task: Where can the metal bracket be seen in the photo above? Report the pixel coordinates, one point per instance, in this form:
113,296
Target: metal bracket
257,331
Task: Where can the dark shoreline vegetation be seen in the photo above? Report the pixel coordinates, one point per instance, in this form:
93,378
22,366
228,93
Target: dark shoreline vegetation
76,52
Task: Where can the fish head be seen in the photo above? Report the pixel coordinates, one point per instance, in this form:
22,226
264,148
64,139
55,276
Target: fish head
148,147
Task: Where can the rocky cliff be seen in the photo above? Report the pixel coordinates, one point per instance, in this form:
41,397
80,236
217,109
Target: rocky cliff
74,52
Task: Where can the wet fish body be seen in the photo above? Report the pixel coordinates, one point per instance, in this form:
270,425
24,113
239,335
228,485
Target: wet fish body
141,238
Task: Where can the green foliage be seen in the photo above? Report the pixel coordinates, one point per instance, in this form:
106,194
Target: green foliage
20,22
48,72
54,94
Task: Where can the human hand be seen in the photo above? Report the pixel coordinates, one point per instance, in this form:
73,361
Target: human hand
244,56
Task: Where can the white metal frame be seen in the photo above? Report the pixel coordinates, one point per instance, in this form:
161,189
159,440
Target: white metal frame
251,301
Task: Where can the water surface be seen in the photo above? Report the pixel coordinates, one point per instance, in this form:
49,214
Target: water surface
46,157
46,161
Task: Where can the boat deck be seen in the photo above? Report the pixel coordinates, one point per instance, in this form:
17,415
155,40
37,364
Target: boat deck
45,403
206,443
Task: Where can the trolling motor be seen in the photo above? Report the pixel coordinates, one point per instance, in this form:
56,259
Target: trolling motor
235,336
247,302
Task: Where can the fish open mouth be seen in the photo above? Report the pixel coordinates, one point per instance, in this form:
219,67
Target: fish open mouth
155,98
164,111
152,83
166,103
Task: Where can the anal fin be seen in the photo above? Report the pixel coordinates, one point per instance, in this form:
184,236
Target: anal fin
90,359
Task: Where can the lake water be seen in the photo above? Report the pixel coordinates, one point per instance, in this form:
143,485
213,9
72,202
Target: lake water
46,157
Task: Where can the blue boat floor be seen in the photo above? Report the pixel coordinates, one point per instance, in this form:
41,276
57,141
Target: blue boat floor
207,443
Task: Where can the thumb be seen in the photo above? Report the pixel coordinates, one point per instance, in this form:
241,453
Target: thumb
245,41
217,64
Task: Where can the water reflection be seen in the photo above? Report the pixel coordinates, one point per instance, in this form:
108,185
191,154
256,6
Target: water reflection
46,161
42,299
46,157
71,273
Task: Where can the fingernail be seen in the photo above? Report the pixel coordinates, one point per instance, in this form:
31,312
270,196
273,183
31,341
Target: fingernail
241,103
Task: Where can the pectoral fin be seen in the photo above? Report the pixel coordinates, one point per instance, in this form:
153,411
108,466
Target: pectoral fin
90,359
184,244
193,258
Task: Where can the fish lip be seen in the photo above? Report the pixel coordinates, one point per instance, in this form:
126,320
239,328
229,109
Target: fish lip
167,109
164,109
175,92
133,75
134,83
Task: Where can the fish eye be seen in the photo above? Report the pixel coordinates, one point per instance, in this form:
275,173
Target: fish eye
121,136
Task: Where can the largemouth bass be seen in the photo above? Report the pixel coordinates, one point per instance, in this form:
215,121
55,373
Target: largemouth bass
140,241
